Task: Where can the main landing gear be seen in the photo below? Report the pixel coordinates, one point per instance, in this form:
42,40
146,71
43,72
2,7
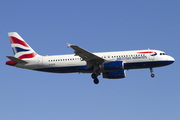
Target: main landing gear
152,74
94,76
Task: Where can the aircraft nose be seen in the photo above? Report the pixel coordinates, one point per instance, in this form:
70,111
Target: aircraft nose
171,59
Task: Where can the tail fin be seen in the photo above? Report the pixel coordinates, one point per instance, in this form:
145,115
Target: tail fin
20,48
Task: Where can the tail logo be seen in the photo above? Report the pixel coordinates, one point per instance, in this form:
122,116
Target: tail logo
20,48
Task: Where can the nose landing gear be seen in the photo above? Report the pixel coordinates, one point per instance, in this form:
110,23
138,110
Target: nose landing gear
152,74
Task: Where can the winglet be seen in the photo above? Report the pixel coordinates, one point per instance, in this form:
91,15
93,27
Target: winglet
69,45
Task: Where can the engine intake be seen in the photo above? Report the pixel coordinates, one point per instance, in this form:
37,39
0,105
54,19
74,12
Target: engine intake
115,74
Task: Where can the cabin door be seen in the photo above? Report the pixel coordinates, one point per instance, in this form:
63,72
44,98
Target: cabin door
40,61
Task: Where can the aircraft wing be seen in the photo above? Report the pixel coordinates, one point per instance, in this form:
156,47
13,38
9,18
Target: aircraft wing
87,56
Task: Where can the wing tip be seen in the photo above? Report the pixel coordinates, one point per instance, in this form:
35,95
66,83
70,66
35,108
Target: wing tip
68,45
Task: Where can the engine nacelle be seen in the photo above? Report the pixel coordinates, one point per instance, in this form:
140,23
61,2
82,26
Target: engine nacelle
113,66
115,74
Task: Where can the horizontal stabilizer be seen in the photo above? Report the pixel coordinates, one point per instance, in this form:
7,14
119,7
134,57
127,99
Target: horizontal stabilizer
16,60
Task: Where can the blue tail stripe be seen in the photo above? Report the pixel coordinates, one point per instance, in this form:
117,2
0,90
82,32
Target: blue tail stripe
18,49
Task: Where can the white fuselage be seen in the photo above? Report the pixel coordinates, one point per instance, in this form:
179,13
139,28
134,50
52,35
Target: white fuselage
70,63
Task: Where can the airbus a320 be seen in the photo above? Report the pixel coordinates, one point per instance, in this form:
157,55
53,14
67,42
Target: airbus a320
111,65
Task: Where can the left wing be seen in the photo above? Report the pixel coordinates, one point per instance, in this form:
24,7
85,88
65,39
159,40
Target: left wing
87,56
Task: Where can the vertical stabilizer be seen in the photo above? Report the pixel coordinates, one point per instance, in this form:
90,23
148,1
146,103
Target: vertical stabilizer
20,48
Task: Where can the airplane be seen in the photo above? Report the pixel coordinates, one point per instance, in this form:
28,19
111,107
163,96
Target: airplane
112,65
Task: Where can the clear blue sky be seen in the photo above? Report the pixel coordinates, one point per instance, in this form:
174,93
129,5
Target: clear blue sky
97,26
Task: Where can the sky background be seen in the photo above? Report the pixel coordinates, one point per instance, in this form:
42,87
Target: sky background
97,26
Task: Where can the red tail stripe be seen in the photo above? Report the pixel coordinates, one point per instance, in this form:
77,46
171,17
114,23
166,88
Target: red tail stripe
17,41
31,55
10,62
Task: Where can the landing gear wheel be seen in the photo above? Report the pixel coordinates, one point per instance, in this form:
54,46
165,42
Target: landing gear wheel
96,81
94,76
152,75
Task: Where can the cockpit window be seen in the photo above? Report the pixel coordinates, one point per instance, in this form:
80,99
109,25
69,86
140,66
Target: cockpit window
162,53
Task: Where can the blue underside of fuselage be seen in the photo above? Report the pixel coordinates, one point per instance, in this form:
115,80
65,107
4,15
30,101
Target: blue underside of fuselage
84,69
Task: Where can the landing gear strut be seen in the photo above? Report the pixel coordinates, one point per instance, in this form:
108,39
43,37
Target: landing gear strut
152,74
94,76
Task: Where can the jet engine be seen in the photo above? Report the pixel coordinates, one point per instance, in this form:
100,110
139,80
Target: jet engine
112,66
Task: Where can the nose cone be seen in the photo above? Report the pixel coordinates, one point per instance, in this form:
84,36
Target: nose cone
171,59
